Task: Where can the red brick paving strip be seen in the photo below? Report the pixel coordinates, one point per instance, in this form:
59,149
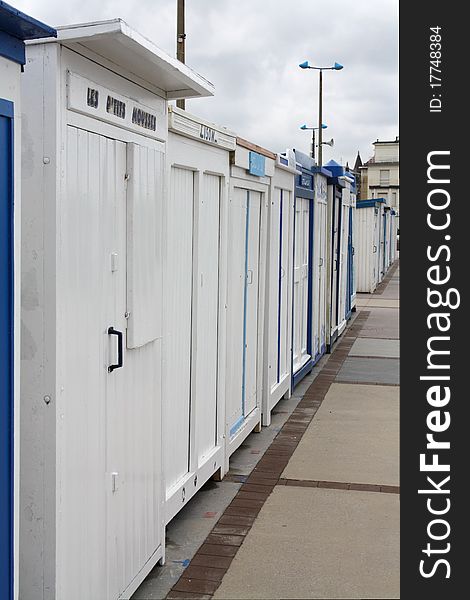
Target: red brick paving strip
383,284
210,563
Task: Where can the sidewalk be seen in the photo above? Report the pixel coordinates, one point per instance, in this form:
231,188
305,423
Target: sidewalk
317,516
332,529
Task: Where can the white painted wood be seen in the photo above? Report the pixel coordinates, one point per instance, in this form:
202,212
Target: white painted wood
321,228
278,317
251,302
301,269
245,299
368,223
335,264
10,73
178,326
195,276
129,53
206,274
343,255
91,457
145,172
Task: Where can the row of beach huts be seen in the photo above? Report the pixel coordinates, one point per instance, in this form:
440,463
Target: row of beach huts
173,282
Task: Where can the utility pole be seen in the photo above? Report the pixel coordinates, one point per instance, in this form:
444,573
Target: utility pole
320,117
180,42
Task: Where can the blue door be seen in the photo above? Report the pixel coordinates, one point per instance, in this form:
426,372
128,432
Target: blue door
6,350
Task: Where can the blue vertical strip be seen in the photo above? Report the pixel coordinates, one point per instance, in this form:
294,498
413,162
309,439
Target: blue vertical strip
385,243
311,217
6,349
279,303
245,297
338,255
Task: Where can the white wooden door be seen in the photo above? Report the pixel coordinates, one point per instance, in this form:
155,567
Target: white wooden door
109,461
316,261
243,300
343,260
253,215
301,291
205,310
322,217
133,417
335,264
178,326
283,366
376,248
95,192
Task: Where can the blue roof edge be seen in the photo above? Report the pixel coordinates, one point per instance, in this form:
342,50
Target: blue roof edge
22,26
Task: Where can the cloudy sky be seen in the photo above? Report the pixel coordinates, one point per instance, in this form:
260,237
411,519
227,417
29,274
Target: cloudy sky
250,50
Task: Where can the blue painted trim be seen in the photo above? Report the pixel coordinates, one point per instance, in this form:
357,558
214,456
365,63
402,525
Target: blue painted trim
384,216
12,48
237,425
245,295
311,217
323,171
21,25
301,373
7,108
257,164
279,292
338,280
7,303
370,202
336,181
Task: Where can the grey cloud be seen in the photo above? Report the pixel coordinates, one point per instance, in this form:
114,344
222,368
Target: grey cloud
250,50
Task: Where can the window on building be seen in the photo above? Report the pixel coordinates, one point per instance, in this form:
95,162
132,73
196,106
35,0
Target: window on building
384,176
394,199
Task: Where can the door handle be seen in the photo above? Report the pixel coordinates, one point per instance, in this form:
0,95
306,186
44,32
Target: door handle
118,334
321,262
374,249
249,277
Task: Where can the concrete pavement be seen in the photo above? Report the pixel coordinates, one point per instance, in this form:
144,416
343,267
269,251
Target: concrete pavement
310,507
315,541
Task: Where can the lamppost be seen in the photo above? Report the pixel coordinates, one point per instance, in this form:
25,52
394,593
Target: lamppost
313,129
335,67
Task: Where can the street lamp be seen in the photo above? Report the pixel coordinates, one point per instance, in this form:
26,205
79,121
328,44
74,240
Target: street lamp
335,67
313,129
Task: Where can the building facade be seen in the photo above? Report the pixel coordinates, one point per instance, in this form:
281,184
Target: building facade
380,176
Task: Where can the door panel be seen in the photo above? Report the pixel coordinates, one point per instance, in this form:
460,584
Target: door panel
110,423
284,346
236,270
206,295
178,325
301,287
134,435
251,301
335,269
96,168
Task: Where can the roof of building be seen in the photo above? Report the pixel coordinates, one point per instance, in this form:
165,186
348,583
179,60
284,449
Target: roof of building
17,27
122,48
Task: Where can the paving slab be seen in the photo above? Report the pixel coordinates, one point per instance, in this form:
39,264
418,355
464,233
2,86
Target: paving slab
354,438
379,302
358,369
375,347
319,543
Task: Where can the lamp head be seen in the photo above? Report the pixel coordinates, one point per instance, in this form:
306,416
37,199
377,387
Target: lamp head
338,66
303,127
304,65
323,126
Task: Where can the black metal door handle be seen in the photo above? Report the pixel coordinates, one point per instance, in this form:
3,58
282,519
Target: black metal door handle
112,331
